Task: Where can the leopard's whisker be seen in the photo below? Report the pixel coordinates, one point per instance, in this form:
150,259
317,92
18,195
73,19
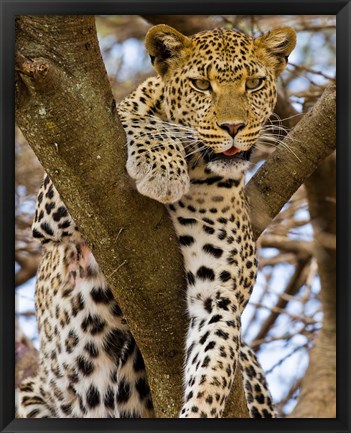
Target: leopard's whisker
279,119
273,141
200,149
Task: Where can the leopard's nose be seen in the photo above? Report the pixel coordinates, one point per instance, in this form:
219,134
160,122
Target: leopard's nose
232,128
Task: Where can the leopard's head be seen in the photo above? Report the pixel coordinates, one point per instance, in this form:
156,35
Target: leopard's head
221,83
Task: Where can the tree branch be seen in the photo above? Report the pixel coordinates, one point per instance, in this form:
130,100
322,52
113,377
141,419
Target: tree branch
291,289
311,141
29,265
187,24
26,357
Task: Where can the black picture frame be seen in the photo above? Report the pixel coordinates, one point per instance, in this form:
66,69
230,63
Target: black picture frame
11,8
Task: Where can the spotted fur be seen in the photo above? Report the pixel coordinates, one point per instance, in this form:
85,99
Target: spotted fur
189,131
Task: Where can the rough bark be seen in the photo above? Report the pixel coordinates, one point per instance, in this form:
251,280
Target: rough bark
318,389
311,141
65,109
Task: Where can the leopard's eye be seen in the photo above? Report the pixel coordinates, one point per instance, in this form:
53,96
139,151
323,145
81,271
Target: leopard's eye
201,85
254,83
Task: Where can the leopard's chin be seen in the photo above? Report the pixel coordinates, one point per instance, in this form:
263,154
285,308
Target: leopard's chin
229,167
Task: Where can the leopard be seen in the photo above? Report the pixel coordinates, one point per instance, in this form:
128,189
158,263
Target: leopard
190,133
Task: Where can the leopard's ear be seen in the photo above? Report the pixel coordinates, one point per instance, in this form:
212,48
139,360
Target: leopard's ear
166,47
275,47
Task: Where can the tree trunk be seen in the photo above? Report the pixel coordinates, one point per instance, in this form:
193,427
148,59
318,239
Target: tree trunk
65,109
318,389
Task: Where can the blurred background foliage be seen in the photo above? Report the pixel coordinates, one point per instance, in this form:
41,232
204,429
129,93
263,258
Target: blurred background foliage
284,315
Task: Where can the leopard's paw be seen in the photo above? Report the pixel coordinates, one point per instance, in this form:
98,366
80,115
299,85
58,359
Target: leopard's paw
164,187
161,177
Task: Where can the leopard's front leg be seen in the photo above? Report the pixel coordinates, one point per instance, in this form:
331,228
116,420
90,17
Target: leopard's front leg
212,349
157,163
219,255
156,148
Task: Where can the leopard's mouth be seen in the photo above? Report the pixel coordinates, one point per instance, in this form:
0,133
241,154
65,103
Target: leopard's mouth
233,154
